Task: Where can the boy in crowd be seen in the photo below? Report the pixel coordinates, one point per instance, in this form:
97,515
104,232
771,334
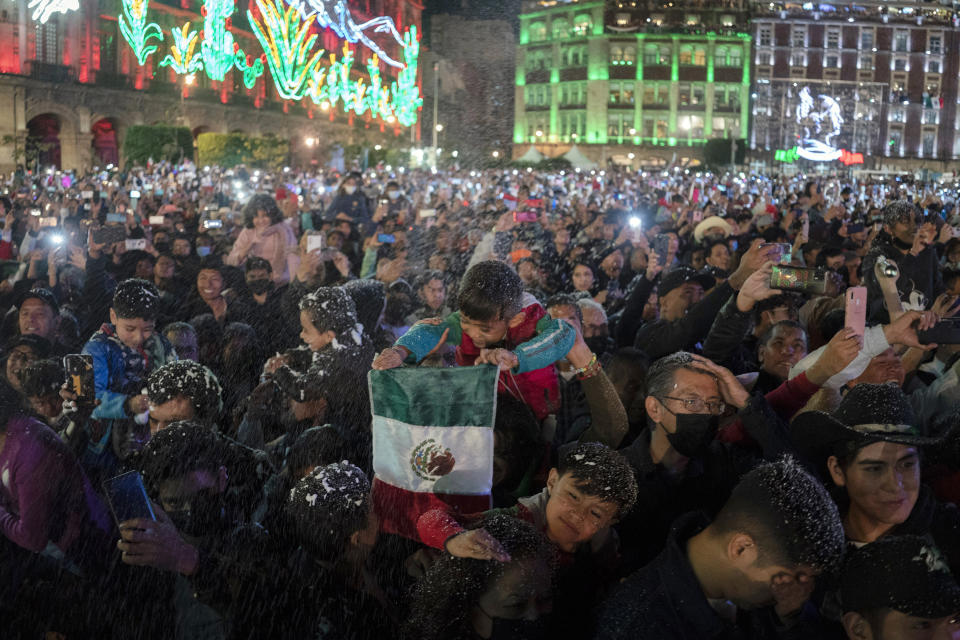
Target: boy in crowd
775,534
125,351
495,311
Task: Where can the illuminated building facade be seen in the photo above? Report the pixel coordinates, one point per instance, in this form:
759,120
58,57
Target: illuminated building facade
633,82
74,76
899,60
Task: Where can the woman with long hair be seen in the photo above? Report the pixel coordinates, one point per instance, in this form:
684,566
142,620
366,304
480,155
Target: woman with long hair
266,236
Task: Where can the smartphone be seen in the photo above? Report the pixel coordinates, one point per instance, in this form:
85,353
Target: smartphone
118,218
134,195
86,195
428,213
525,216
136,245
128,497
947,331
109,235
806,227
856,309
697,215
386,238
213,224
797,279
316,242
49,222
156,221
79,370
36,212
384,201
661,245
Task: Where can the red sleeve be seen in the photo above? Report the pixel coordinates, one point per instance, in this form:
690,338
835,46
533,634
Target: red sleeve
791,396
436,526
785,401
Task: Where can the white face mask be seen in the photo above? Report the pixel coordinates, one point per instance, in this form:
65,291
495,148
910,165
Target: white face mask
393,194
350,189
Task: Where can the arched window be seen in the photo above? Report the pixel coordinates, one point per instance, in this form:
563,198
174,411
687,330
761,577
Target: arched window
666,54
616,54
700,56
686,55
538,32
630,54
582,25
561,28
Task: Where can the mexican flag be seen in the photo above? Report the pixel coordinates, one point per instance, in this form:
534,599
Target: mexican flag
432,442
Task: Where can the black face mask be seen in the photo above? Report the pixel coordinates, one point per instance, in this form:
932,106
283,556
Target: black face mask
205,515
695,432
598,344
259,287
900,244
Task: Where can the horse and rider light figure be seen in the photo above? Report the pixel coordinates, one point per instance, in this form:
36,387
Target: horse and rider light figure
819,121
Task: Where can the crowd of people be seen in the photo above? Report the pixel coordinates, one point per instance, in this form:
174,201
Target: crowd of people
687,443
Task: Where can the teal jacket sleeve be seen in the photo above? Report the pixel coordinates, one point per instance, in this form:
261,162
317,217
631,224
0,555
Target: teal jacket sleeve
422,338
112,403
552,343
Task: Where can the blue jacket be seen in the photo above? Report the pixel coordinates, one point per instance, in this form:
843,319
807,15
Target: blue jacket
119,371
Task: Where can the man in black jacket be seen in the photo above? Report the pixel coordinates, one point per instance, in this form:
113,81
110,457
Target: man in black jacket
684,321
747,574
910,245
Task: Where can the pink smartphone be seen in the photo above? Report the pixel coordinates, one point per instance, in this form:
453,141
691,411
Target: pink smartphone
856,309
806,227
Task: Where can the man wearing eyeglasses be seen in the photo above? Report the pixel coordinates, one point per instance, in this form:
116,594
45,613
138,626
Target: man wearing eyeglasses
680,466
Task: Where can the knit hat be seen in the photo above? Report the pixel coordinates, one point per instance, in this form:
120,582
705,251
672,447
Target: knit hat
331,309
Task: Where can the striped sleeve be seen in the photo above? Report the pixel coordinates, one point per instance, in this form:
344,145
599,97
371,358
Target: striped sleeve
544,349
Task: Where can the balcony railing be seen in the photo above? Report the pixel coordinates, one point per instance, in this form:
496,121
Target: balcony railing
48,72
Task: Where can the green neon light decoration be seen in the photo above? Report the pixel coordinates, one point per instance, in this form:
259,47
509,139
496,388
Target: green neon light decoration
786,155
219,50
285,37
136,31
183,57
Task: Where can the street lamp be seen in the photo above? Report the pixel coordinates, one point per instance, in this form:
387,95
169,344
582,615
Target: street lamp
190,79
439,128
496,154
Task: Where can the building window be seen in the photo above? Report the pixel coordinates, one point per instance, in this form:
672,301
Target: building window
900,63
626,54
656,19
895,144
736,57
831,60
686,55
898,89
48,41
698,94
690,125
935,43
700,56
765,36
931,92
538,32
621,93
764,58
692,19
720,57
798,59
536,60
931,116
901,40
866,61
655,95
833,39
726,20
572,123
683,94
929,143
619,125
867,35
561,28
581,25
623,19
933,66
798,37
575,56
